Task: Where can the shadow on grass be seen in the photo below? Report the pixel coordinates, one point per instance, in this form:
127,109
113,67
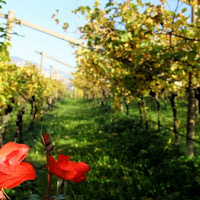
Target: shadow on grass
127,162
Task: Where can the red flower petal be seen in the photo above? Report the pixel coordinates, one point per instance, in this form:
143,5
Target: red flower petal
47,139
81,167
12,154
2,196
79,179
63,161
21,173
55,169
66,169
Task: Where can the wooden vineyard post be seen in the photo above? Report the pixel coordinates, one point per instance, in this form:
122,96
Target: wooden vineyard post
191,102
194,10
10,21
55,75
75,93
54,59
51,71
41,29
190,118
42,62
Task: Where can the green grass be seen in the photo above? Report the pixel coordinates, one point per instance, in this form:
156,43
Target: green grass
167,119
126,161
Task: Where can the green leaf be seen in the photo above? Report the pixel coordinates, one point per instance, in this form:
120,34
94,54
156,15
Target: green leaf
198,65
60,197
89,43
5,193
34,197
59,183
83,9
177,24
198,13
125,37
109,4
65,26
1,1
65,187
139,2
183,10
3,99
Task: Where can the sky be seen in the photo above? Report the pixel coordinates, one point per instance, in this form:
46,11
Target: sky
26,41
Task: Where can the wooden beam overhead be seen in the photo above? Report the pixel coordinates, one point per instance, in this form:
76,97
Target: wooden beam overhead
45,30
52,58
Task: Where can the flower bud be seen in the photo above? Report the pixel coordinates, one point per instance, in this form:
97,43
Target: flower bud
46,141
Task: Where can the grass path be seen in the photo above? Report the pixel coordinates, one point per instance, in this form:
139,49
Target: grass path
126,161
79,131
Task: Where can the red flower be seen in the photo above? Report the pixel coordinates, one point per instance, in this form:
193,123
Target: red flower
46,141
12,170
2,196
68,170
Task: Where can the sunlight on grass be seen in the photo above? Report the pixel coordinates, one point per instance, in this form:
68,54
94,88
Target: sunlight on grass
126,161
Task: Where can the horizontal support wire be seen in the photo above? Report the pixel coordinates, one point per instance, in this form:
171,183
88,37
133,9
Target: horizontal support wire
180,134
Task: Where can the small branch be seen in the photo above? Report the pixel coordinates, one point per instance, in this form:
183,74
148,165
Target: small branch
169,5
171,33
186,38
180,36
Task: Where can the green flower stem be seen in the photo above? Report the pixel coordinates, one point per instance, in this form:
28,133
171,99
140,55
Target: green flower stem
47,188
5,193
59,191
72,192
48,191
